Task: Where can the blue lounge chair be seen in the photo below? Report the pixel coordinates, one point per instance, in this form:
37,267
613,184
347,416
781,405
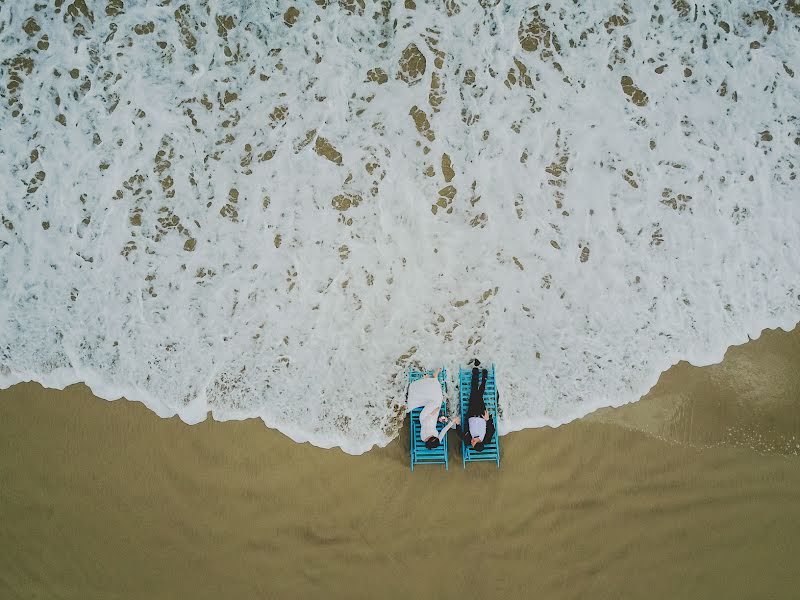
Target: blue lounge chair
491,451
419,453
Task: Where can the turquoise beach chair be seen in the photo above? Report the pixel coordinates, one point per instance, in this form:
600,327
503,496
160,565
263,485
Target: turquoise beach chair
419,453
491,451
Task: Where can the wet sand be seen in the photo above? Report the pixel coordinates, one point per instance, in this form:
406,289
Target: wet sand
694,492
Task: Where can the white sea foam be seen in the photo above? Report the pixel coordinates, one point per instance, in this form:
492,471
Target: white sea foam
218,206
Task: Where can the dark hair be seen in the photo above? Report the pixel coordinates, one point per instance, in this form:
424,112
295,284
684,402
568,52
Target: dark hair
479,447
432,443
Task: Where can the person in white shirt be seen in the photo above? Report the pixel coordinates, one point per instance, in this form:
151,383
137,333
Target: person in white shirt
427,393
479,429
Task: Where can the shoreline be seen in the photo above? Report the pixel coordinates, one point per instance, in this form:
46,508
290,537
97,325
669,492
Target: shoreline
159,409
693,492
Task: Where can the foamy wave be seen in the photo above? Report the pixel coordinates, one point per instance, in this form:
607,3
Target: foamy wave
272,211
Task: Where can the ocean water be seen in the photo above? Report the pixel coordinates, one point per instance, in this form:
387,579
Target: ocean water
273,209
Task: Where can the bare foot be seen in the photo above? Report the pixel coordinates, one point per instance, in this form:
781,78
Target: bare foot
436,373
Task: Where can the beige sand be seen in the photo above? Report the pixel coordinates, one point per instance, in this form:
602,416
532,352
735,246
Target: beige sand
694,492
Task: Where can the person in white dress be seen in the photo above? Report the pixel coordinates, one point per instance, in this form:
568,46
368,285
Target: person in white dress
427,393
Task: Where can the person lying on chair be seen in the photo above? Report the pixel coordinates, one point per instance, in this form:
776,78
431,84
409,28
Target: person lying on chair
427,393
479,427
